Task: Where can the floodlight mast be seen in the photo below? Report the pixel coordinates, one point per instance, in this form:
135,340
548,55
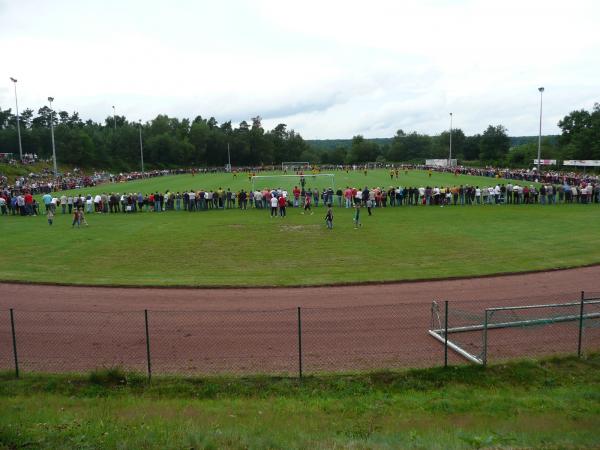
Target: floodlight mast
50,100
228,157
450,155
141,148
14,80
541,89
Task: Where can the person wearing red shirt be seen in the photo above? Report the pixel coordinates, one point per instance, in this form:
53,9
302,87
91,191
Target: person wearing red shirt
307,207
28,204
282,204
296,193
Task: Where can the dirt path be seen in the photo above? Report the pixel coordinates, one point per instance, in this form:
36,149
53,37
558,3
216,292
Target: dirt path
256,330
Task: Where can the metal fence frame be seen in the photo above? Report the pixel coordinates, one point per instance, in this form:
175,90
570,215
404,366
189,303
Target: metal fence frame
440,330
441,333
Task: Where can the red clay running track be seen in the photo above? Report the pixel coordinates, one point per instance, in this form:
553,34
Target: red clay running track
255,330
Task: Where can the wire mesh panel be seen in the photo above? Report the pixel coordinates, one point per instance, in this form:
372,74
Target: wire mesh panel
590,336
204,342
465,331
67,341
532,331
370,337
6,354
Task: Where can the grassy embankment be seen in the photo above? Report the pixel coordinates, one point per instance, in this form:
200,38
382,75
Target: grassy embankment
550,404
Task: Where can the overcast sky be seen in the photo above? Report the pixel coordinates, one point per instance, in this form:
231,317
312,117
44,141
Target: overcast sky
328,69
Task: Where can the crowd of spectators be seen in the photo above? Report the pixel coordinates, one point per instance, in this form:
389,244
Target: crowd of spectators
507,186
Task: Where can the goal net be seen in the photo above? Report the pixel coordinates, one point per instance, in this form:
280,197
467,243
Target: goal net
517,331
294,166
321,182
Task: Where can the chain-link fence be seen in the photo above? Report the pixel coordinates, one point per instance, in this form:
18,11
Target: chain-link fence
590,326
297,341
521,327
6,351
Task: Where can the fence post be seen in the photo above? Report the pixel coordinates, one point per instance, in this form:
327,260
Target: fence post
485,338
299,343
14,342
148,346
580,324
446,335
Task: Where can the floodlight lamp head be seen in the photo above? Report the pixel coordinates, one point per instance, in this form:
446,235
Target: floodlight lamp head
14,80
50,99
541,89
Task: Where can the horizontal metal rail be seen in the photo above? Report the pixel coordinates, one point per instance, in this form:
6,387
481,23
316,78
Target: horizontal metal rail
519,323
456,348
550,305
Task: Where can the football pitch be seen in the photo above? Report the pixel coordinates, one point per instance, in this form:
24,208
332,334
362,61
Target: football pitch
248,248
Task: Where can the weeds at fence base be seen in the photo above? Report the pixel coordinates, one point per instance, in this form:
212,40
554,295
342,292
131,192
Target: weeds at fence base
115,376
553,371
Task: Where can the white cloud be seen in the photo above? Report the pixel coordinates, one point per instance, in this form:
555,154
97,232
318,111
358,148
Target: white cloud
327,69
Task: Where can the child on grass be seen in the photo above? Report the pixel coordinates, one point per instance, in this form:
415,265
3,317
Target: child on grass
50,216
329,217
76,220
356,218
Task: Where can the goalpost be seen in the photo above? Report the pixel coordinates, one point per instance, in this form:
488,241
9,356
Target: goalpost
471,330
319,180
294,165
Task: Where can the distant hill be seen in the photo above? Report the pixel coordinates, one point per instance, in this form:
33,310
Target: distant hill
330,144
520,140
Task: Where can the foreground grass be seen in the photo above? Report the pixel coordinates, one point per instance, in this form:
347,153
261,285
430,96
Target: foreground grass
247,248
550,404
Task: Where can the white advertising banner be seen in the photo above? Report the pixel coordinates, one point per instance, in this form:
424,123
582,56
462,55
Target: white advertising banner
545,162
440,162
582,162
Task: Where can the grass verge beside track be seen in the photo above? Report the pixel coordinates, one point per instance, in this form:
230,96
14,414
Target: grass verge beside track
247,248
551,404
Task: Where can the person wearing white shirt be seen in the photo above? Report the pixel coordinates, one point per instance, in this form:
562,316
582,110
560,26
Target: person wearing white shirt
258,199
191,201
490,194
63,203
274,203
421,194
478,195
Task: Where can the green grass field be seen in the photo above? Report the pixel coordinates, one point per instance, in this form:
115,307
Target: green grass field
548,404
248,248
374,178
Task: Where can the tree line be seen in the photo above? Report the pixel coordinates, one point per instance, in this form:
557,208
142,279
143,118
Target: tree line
171,142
